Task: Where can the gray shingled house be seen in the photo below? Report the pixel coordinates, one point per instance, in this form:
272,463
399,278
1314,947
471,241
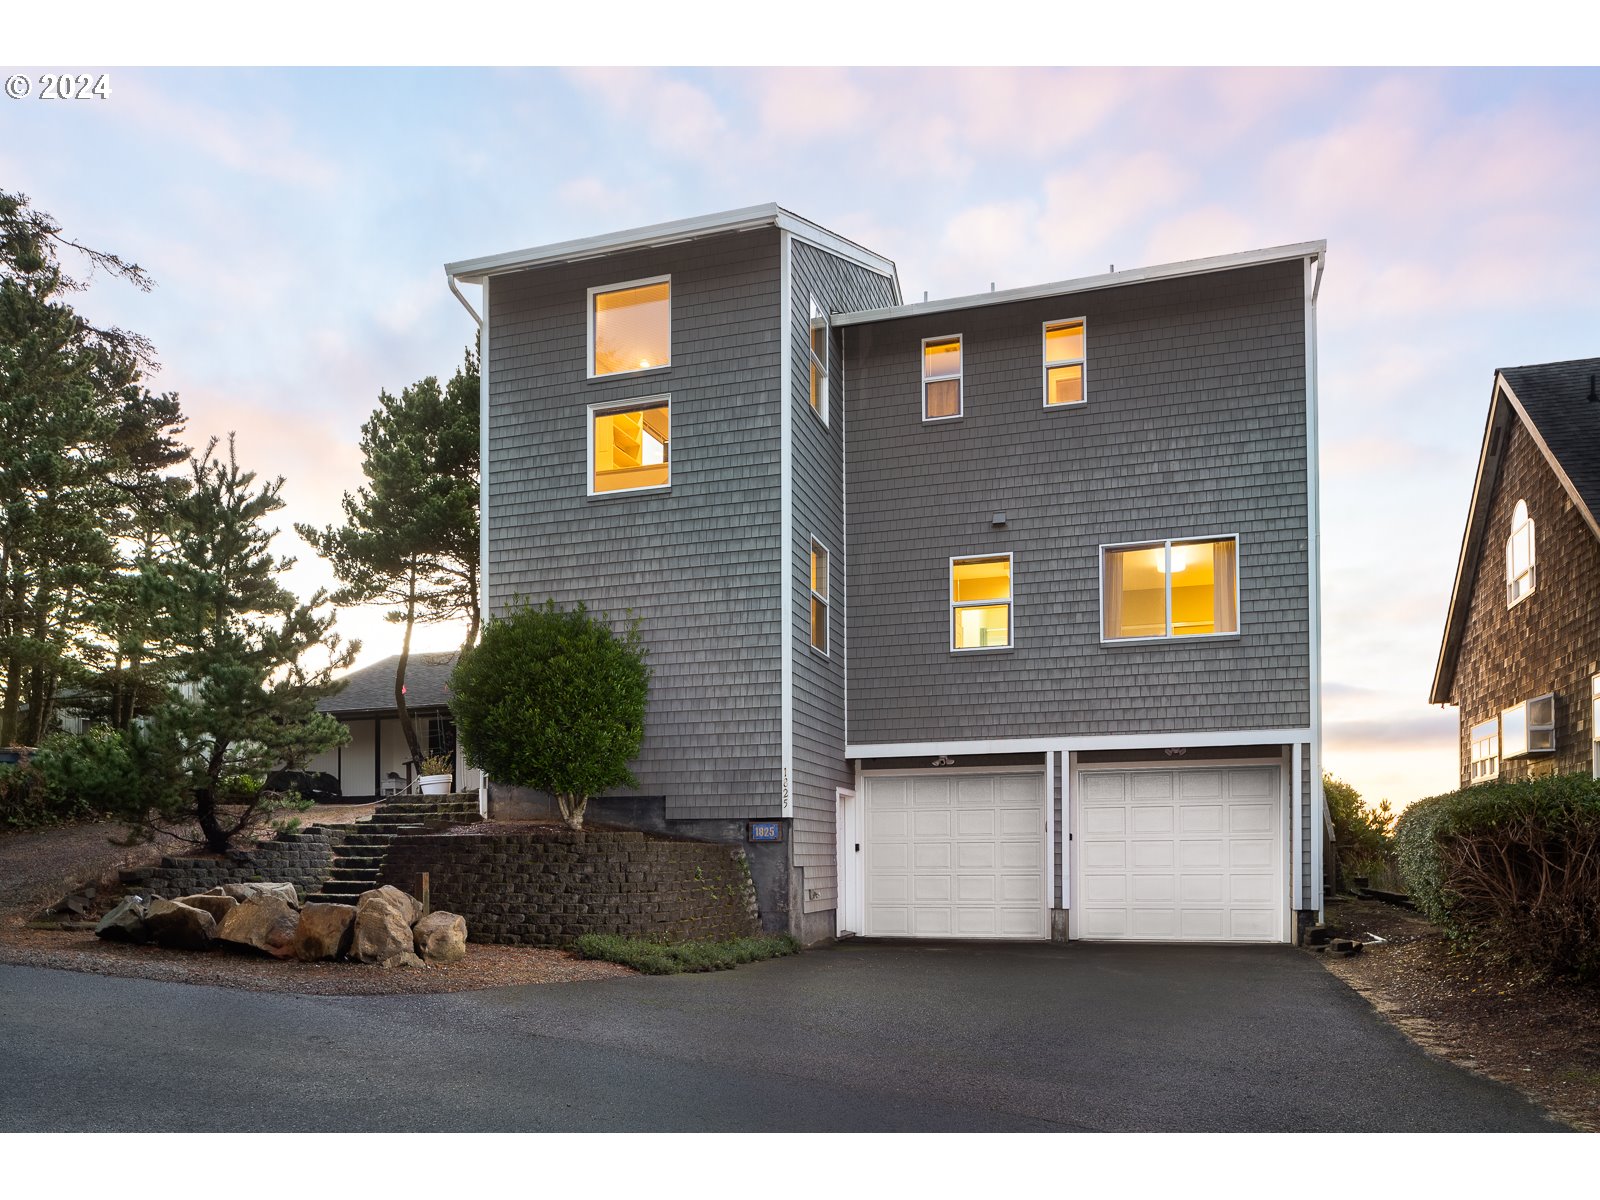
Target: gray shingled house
992,617
1520,656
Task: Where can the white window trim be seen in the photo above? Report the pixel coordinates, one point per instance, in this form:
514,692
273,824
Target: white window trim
1594,724
819,313
1472,776
622,287
1169,636
1010,601
1533,555
1083,361
827,604
960,377
600,409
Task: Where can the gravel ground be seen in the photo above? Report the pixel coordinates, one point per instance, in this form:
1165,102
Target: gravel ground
1542,1038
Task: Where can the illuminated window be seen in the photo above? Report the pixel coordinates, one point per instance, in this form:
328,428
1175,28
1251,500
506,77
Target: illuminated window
1063,363
1529,728
819,361
1519,555
1485,754
630,447
941,378
980,602
819,596
630,327
1170,590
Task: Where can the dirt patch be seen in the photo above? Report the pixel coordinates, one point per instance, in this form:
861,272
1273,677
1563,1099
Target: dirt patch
1540,1037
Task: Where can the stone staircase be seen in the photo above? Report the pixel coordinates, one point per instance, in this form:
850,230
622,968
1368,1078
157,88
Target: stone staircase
361,846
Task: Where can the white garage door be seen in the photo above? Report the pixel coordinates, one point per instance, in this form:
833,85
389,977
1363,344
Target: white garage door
954,855
1179,856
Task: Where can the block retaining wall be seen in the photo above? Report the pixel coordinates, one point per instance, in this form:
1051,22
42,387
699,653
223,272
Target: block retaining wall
548,887
303,859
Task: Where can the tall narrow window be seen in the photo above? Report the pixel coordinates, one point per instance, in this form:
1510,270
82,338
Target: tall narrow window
1519,555
630,447
1594,723
1170,589
1484,757
980,602
1063,363
819,361
819,596
941,378
630,327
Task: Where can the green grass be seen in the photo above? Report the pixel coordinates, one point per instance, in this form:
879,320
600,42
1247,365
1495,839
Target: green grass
659,958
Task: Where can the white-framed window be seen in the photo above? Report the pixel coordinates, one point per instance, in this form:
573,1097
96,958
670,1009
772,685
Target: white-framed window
1520,571
818,343
1529,727
1484,757
819,596
941,378
630,326
630,446
980,602
1169,589
1064,360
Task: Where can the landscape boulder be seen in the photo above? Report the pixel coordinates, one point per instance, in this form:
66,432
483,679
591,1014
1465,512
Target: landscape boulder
324,931
382,927
179,926
263,922
217,905
404,959
124,923
441,937
243,891
408,906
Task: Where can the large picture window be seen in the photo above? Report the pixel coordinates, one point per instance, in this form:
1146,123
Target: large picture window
1170,589
630,327
1063,363
980,602
630,446
941,378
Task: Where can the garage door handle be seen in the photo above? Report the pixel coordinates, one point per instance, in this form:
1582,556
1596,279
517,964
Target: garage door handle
858,847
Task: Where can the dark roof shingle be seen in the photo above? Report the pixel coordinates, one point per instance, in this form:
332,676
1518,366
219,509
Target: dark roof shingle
1555,398
371,689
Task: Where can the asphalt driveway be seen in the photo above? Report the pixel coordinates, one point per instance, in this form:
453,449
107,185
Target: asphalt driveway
856,1037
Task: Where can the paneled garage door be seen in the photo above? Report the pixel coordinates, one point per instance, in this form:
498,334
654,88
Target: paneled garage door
954,855
1191,855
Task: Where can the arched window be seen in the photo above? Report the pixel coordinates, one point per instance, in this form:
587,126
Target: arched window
1519,555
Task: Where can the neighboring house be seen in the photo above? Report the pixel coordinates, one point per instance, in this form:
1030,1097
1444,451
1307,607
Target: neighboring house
1000,612
376,761
1520,656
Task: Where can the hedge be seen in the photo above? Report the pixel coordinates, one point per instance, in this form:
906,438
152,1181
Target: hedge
1511,869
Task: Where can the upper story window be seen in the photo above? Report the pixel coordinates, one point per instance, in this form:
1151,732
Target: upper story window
1485,755
1170,589
980,602
1519,555
630,326
630,445
819,596
819,360
1063,363
941,378
1529,727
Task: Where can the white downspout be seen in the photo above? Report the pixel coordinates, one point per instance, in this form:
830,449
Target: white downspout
1314,514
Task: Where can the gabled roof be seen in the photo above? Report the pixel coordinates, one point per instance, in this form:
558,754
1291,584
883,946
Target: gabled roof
1092,283
476,270
371,689
1552,402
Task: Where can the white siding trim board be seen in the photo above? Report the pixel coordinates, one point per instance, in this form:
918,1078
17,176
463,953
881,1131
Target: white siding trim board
1128,741
786,515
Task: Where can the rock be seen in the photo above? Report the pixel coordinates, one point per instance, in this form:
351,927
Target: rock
179,926
382,928
124,923
404,959
243,891
410,908
263,922
324,931
441,937
214,903
77,904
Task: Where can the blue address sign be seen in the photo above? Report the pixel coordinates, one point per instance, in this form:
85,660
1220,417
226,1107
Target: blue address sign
766,831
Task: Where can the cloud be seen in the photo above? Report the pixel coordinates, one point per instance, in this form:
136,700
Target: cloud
1436,731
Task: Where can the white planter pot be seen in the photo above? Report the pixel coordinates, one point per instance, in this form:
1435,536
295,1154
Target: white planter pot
434,785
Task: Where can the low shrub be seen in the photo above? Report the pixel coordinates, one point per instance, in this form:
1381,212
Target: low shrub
674,958
1512,869
63,781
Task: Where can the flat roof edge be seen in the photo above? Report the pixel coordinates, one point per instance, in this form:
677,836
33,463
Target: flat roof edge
1089,283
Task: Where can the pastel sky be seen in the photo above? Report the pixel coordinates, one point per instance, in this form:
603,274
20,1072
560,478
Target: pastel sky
296,222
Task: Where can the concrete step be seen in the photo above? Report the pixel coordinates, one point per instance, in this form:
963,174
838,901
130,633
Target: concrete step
331,898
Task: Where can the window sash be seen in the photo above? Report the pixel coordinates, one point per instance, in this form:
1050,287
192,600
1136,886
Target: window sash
1174,610
630,327
630,446
1064,362
942,370
819,596
980,611
818,353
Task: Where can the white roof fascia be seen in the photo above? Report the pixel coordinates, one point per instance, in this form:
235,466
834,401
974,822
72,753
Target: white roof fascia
475,270
1091,283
